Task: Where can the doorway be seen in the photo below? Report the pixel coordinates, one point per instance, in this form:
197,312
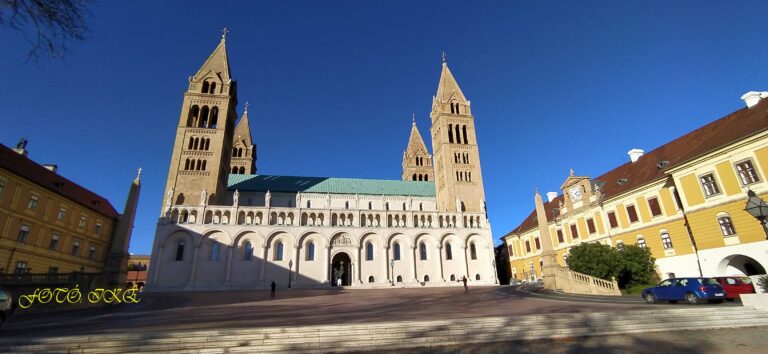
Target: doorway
341,268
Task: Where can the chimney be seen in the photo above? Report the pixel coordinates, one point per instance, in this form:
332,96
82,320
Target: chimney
551,196
751,98
635,154
51,167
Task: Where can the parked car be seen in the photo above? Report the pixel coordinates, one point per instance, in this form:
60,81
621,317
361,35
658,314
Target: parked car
735,286
693,290
6,302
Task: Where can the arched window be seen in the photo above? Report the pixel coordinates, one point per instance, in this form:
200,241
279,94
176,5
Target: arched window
207,143
247,251
458,134
450,133
386,206
426,177
194,114
196,145
369,252
403,206
396,251
187,164
279,251
426,278
370,205
234,152
215,249
726,226
666,241
199,165
414,176
309,203
423,251
204,165
472,251
371,279
214,117
180,251
641,243
399,278
346,205
448,251
206,86
234,169
203,122
242,170
191,143
464,133
477,276
213,87
310,251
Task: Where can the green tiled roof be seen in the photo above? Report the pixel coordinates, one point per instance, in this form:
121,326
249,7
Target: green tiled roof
330,185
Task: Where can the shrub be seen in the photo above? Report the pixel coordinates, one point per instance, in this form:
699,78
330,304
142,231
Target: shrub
762,282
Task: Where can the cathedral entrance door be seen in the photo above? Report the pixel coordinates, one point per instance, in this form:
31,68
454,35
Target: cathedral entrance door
341,268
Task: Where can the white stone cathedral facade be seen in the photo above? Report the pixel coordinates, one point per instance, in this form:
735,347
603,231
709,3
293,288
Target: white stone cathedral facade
224,227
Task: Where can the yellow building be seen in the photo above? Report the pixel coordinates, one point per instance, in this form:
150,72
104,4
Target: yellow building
684,201
49,224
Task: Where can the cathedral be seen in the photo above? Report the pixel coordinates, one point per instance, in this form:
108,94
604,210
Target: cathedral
225,227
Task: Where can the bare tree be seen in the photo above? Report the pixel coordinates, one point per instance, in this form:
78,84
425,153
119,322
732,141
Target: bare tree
48,25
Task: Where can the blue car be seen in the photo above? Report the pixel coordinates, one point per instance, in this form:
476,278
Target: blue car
693,290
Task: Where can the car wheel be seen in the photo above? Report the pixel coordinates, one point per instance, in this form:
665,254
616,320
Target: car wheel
650,298
672,301
691,298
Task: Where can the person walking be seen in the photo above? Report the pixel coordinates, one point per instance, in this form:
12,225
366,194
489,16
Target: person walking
272,294
466,288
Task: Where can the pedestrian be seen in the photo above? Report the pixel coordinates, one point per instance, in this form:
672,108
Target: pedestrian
464,280
272,294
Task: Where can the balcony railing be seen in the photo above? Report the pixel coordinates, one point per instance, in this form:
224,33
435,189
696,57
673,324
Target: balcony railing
314,217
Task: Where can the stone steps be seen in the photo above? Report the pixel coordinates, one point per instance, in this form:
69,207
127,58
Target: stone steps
396,335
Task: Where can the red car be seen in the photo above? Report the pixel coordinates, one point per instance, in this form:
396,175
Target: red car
734,286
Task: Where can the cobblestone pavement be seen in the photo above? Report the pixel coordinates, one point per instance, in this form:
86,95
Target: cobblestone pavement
732,341
248,309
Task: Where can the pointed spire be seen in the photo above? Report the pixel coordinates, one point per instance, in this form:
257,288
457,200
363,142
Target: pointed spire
448,87
217,62
415,142
243,129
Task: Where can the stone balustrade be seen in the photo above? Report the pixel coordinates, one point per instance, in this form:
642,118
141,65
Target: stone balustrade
317,217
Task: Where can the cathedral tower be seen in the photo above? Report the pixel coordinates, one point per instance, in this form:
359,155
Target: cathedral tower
243,149
203,146
458,177
417,162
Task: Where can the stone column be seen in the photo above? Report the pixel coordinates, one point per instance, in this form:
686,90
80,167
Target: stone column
547,252
440,257
193,272
415,276
386,264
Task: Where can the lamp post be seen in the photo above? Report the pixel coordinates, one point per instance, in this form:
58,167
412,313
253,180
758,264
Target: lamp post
290,270
392,265
495,275
758,208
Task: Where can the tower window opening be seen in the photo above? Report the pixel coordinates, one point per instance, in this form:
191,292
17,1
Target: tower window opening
213,88
204,117
464,133
206,86
450,133
242,170
194,114
458,134
214,117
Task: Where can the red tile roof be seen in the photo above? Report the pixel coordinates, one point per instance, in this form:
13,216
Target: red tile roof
722,132
36,173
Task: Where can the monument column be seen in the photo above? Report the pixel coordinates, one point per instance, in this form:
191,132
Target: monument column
548,254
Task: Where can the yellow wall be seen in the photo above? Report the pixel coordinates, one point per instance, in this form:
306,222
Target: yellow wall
667,202
693,194
728,178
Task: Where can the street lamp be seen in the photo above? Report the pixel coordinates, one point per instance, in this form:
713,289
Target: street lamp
758,208
495,275
392,274
290,265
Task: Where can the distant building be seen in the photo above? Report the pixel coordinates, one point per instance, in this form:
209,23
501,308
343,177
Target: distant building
49,224
684,201
138,267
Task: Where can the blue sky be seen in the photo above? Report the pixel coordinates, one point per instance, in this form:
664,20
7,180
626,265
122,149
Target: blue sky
332,86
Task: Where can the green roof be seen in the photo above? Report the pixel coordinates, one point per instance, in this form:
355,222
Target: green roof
330,185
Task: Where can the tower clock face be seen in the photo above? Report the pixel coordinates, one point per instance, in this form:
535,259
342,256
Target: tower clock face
575,193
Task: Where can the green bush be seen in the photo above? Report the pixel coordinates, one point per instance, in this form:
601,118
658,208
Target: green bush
633,267
763,283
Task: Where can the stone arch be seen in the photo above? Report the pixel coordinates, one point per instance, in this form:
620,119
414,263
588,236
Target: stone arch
207,234
270,239
306,234
170,240
368,236
477,239
739,263
354,240
392,236
247,234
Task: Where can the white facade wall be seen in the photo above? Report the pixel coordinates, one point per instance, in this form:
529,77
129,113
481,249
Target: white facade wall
200,269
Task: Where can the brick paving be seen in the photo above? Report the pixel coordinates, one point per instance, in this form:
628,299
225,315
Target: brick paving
248,309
